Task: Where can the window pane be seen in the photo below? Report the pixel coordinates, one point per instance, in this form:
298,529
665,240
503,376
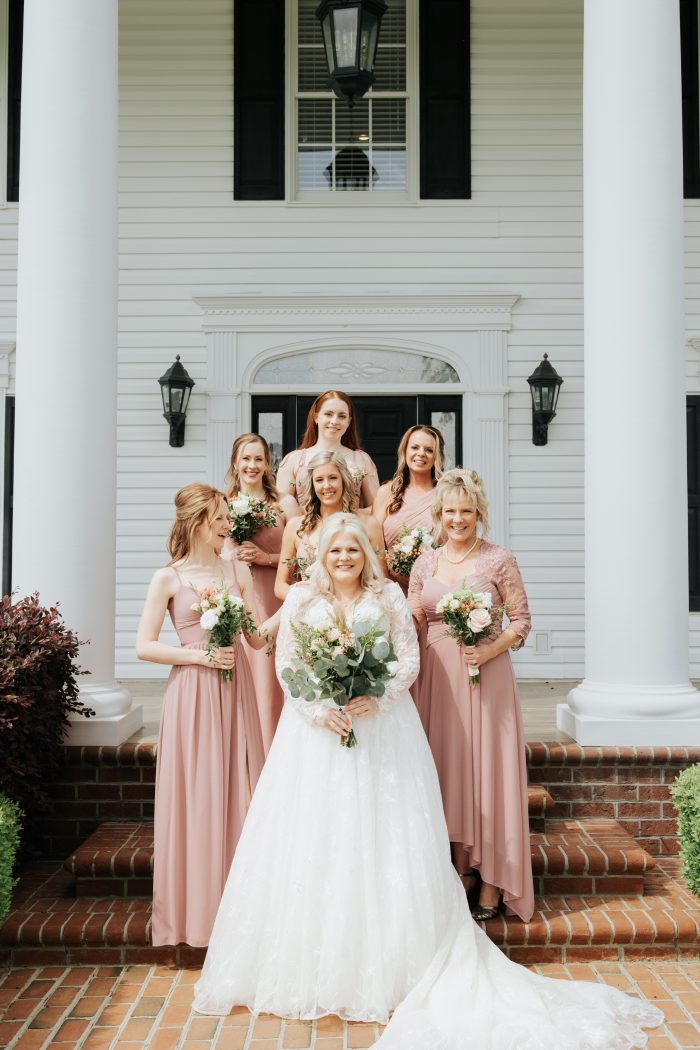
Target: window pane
389,169
271,427
315,121
315,172
446,423
352,125
313,68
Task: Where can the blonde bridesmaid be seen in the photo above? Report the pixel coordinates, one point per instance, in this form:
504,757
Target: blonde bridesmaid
330,427
250,474
475,730
328,490
407,500
210,750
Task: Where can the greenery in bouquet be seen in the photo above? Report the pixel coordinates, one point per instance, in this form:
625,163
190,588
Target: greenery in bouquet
340,661
468,617
299,568
247,514
223,616
410,544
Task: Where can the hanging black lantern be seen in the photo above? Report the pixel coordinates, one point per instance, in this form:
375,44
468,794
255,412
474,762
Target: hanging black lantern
176,387
350,34
544,388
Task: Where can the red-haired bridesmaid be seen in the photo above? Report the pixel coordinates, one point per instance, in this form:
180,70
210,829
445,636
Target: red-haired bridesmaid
330,427
210,750
250,474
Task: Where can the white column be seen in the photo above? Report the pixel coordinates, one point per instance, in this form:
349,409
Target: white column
64,508
636,689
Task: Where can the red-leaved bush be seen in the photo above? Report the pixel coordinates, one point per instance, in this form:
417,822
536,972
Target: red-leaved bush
38,690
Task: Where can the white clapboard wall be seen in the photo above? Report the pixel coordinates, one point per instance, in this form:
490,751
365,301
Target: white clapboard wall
181,236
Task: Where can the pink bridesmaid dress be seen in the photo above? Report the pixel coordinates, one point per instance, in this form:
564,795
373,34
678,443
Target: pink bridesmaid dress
415,510
268,692
210,754
476,731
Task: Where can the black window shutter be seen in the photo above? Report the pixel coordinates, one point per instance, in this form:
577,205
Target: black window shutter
258,104
693,433
691,99
14,95
445,160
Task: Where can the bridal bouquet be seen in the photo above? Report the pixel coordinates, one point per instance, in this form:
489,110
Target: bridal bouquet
223,616
410,544
338,662
468,617
247,514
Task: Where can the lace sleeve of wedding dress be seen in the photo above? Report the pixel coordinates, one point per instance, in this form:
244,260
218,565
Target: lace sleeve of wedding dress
422,567
403,636
284,657
511,589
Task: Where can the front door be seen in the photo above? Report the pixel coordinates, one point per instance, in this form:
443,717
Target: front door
381,421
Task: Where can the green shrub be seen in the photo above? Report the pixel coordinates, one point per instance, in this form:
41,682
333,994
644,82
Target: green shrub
686,797
10,815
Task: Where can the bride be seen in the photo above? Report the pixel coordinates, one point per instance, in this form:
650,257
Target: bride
342,898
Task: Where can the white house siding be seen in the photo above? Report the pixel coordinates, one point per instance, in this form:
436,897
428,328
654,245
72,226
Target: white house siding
182,236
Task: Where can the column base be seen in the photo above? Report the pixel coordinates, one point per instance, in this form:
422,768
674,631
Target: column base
111,730
592,730
116,718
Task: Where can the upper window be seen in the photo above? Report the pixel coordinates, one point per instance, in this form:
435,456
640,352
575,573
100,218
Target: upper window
359,150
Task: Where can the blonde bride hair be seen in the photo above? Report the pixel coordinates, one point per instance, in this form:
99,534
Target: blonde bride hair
320,583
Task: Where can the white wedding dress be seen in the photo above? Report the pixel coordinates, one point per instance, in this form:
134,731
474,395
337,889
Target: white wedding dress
342,899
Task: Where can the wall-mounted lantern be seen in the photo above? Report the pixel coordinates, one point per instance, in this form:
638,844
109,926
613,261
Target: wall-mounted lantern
350,34
544,388
176,387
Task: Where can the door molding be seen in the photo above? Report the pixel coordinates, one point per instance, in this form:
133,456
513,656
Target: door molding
468,332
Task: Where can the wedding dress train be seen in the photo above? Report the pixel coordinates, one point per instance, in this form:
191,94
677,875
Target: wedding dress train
342,898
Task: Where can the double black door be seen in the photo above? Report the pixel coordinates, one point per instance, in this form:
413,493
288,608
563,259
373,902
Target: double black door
381,421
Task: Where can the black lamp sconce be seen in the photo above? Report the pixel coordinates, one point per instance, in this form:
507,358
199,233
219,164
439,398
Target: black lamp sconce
544,389
176,387
350,33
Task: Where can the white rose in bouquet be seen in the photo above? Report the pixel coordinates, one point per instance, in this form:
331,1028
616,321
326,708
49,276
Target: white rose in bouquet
209,619
240,505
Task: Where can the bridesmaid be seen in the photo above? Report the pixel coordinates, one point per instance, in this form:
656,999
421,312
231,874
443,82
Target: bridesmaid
475,731
250,474
408,498
328,490
210,749
330,427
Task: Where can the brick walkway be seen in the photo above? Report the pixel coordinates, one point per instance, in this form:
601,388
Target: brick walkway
96,1008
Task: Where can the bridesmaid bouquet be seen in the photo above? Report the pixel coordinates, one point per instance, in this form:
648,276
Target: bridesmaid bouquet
299,568
247,514
338,662
468,617
407,548
223,616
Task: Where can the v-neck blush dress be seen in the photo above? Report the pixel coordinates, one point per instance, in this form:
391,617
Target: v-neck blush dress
476,731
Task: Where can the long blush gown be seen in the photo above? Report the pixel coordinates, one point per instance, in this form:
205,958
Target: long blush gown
210,755
262,664
476,732
342,898
359,463
415,510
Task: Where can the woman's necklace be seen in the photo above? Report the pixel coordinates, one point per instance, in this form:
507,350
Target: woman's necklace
457,561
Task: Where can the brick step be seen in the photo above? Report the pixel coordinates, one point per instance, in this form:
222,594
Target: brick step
49,926
539,804
115,861
593,857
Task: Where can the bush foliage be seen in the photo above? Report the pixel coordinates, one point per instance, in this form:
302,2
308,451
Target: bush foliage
38,690
10,815
686,797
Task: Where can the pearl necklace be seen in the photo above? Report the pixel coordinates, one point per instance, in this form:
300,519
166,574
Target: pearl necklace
457,561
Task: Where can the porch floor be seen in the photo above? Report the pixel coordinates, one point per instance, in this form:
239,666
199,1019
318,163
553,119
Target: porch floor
539,702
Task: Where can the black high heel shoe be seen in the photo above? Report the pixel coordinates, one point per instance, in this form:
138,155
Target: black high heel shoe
484,912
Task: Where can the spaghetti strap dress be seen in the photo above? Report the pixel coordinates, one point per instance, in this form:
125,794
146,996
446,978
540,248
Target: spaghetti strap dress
210,755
